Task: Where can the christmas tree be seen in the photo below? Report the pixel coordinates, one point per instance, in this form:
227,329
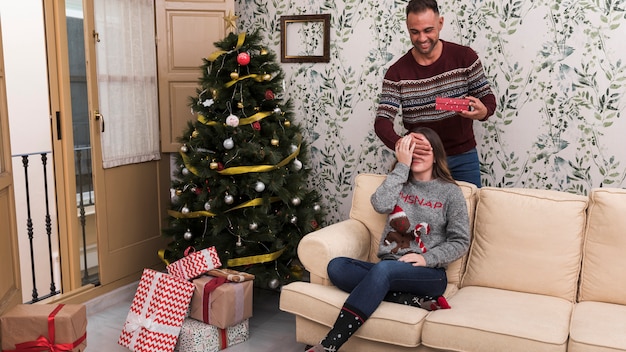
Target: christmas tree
240,181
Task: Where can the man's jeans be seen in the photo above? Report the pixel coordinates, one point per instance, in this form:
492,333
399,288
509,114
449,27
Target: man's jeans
368,283
465,167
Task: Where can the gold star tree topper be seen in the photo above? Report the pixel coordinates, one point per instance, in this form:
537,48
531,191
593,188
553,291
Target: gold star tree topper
230,21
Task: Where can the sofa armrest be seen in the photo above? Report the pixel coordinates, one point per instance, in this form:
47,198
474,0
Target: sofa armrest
348,238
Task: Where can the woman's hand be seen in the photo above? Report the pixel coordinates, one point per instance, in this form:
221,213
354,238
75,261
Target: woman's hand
404,150
416,259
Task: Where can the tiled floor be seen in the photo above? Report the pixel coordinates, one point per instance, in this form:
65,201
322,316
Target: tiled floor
271,330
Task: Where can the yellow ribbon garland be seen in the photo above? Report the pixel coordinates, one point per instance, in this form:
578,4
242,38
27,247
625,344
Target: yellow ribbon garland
245,121
254,118
198,214
192,169
238,170
162,256
234,81
255,259
240,40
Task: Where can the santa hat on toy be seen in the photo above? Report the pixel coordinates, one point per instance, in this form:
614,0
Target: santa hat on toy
398,220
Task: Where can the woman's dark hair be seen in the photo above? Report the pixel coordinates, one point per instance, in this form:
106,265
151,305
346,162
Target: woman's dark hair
440,165
417,6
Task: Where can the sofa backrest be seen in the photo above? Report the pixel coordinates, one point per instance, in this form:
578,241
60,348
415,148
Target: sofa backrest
604,261
527,240
362,210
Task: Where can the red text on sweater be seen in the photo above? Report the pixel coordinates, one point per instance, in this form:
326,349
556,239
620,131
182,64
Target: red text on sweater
415,199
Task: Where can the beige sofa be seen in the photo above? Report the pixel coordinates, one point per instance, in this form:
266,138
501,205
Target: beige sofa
546,271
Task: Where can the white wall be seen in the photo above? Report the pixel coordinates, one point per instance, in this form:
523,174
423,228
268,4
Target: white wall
29,126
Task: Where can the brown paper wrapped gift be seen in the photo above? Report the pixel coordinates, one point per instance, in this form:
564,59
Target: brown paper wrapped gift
218,302
38,327
230,274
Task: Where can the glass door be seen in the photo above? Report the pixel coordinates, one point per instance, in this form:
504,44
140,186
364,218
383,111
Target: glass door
85,197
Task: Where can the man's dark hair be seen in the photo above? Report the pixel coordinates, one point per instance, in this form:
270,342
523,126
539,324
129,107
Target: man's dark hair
417,6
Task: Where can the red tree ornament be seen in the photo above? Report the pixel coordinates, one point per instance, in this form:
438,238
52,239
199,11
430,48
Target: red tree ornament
243,58
269,95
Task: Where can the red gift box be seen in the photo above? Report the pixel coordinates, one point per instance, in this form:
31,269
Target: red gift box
44,327
157,312
195,264
452,104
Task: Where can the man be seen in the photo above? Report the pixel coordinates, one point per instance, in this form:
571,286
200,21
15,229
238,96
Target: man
435,68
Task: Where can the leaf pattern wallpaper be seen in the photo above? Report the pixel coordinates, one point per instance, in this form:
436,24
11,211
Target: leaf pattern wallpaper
557,68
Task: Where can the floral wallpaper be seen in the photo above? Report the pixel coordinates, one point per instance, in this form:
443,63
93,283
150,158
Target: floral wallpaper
556,66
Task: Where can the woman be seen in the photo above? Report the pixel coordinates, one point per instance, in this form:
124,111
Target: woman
428,228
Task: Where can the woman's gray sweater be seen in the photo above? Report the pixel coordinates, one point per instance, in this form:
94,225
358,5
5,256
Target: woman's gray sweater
438,203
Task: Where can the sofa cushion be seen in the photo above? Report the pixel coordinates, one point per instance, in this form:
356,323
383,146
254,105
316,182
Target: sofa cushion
598,327
488,319
603,276
391,323
527,240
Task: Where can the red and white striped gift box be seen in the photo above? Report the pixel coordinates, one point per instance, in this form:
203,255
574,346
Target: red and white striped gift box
157,313
195,264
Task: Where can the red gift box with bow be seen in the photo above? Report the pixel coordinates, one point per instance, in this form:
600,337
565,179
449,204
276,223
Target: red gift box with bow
44,327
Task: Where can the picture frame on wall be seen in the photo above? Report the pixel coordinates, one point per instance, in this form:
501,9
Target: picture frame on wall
305,38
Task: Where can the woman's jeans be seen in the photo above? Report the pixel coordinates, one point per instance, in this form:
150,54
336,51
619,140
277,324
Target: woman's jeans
368,283
465,167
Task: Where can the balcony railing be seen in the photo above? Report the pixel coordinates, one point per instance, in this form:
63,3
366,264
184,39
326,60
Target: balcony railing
36,208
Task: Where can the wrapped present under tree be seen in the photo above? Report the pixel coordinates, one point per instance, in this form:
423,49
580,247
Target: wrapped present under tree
196,336
156,313
44,327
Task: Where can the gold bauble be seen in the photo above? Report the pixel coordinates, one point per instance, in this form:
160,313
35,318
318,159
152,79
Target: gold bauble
263,51
267,77
213,165
195,133
234,75
274,142
179,192
287,123
240,105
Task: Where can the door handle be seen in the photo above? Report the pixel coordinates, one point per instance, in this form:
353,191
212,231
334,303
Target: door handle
99,117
